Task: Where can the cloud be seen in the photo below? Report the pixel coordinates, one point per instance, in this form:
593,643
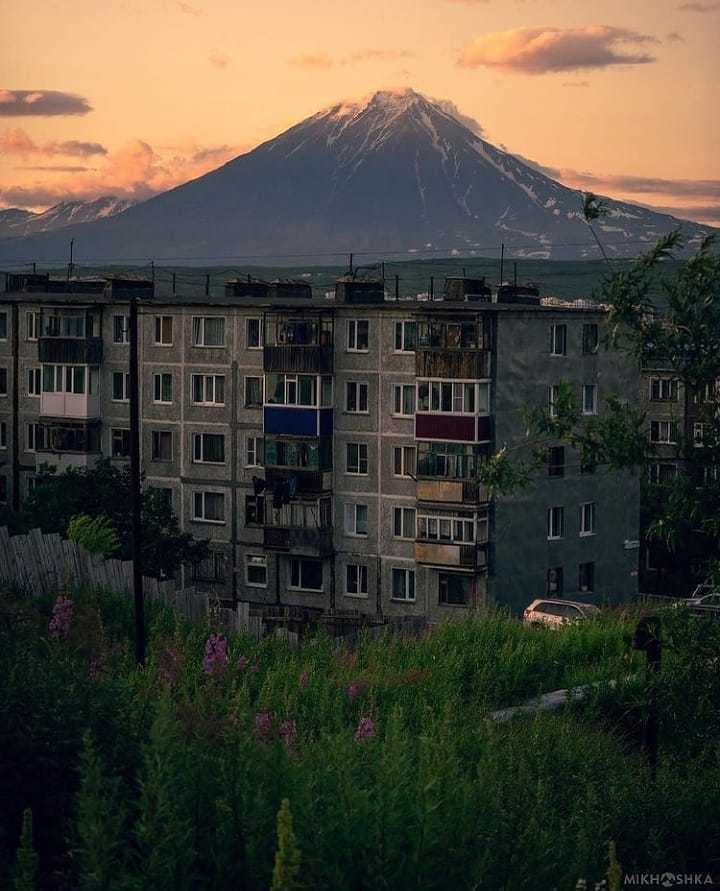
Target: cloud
186,8
324,60
576,83
641,185
674,37
450,108
219,60
699,214
55,168
699,7
41,103
136,171
17,142
547,50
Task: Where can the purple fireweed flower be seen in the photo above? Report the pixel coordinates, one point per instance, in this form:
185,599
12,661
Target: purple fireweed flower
353,691
302,680
59,625
263,725
365,729
287,732
215,654
242,663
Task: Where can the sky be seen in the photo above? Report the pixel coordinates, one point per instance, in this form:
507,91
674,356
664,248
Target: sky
131,97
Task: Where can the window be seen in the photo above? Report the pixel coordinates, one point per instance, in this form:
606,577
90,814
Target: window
454,589
32,325
3,435
208,389
163,330
254,510
404,461
256,568
662,474
34,437
403,584
209,507
664,432
68,379
587,518
358,335
356,397
356,519
456,528
120,443
586,577
357,458
253,451
214,568
161,445
554,581
121,329
306,575
356,580
162,388
253,392
456,397
589,399
698,434
3,382
252,334
663,389
404,400
292,389
120,386
34,381
591,338
208,448
404,522
3,326
405,337
3,489
553,399
555,522
556,461
558,340
208,331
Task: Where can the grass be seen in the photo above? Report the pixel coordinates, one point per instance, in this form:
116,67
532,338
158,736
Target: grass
172,776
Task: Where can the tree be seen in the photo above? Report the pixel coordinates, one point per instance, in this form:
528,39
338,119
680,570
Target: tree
104,491
95,535
287,856
26,864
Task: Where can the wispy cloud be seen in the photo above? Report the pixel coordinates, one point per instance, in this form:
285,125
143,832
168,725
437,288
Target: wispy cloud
136,171
322,60
576,83
548,50
41,103
699,7
642,185
17,142
54,168
186,8
674,37
219,60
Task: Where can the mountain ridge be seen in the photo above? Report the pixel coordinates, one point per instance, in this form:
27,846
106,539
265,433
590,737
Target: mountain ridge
392,173
17,222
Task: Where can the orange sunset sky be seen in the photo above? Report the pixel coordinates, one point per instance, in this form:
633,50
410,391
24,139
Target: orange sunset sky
130,97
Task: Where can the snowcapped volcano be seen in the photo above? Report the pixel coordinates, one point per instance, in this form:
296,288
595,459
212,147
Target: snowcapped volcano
395,172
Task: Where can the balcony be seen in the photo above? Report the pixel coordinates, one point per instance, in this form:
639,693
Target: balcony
67,445
309,482
301,358
70,405
445,491
453,427
294,421
70,350
460,556
469,364
312,542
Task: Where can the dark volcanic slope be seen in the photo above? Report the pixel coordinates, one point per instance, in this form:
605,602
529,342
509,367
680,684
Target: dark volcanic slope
394,173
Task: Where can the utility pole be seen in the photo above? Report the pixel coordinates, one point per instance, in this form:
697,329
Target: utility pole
70,264
502,260
135,489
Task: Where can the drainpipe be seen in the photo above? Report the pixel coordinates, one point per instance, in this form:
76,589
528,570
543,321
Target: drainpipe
15,409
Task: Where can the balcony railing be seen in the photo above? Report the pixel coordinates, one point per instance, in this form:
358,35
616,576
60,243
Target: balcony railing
69,405
462,556
70,350
312,541
458,364
301,358
452,491
308,481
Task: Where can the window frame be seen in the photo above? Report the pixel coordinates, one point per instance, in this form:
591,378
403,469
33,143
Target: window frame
400,327
399,399
592,388
361,580
405,472
205,378
160,379
113,438
259,344
587,328
201,343
253,377
125,376
400,513
203,493
358,385
125,331
300,561
32,328
160,331
351,511
199,437
351,340
261,562
558,339
587,567
551,536
588,510
34,374
157,439
360,462
409,584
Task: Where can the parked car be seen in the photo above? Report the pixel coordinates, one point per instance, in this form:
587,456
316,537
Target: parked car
704,596
558,612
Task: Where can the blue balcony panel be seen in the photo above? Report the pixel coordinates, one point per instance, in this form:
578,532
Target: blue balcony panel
291,421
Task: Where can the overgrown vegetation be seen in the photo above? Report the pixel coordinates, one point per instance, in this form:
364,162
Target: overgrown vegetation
174,776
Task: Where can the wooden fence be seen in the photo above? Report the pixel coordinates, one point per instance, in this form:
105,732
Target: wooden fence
47,564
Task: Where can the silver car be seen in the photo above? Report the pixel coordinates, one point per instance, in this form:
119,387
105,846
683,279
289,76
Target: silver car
558,612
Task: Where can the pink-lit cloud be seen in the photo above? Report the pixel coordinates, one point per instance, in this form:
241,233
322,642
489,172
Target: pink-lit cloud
219,60
322,60
548,50
41,103
136,171
699,7
17,142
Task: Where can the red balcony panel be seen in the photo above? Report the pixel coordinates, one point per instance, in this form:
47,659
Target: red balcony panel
445,427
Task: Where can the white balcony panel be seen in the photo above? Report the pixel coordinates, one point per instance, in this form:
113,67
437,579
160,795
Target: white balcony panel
69,405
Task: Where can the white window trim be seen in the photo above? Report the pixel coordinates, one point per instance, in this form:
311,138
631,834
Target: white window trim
463,382
401,387
355,505
260,332
353,324
402,323
162,343
359,462
205,492
201,345
549,523
35,324
255,439
215,377
553,338
405,474
126,387
258,557
253,405
357,411
195,460
594,410
407,586
399,507
359,595
172,447
292,587
126,329
36,371
583,532
161,375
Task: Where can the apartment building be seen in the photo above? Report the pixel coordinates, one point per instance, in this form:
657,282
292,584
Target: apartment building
328,449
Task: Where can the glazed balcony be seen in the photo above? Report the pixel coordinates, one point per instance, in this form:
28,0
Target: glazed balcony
311,542
445,491
301,358
70,405
70,350
299,344
469,364
452,555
